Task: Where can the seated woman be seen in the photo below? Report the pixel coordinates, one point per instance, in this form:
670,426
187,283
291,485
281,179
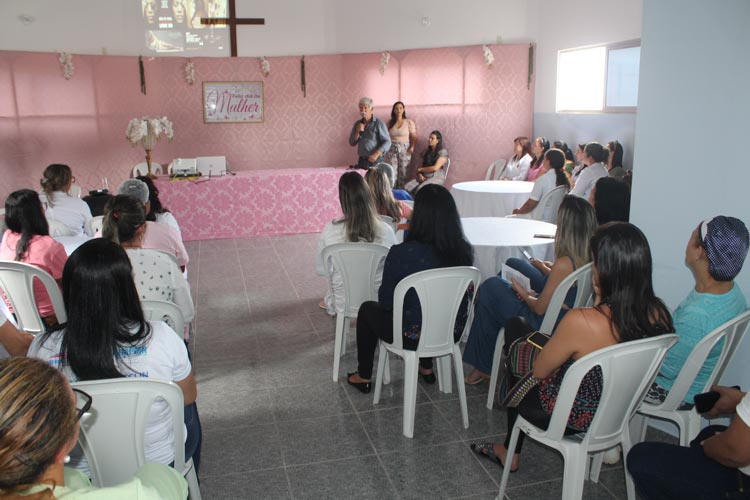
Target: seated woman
157,276
435,239
538,149
594,159
517,167
570,161
714,254
106,336
580,165
553,176
385,204
614,161
157,212
71,212
499,300
434,161
360,223
40,415
611,201
625,309
27,240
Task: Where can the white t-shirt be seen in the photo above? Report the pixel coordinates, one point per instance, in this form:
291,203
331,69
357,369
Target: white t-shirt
543,185
71,212
518,169
168,219
158,277
743,412
587,180
163,357
335,232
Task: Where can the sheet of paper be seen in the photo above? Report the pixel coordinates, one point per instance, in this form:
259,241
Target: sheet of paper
509,273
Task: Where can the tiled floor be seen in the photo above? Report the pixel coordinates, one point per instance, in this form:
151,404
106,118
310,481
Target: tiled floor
276,425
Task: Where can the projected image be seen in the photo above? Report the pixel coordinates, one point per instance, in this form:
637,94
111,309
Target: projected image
175,25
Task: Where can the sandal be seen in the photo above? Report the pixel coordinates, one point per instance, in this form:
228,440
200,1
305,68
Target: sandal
487,450
474,381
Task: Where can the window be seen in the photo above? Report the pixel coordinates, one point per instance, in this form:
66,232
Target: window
603,78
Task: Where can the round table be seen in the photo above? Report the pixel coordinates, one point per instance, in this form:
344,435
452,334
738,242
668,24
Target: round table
496,239
490,198
72,242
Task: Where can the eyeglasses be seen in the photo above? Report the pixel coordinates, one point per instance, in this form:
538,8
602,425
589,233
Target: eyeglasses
83,403
73,180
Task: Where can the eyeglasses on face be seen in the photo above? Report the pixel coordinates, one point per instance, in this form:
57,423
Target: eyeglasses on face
83,402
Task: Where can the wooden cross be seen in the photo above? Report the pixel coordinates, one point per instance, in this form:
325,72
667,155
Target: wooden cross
232,21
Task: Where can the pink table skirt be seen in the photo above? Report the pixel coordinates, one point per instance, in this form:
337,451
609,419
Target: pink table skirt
253,203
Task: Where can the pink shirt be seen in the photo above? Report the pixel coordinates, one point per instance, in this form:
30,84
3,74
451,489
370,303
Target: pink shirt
535,172
164,238
402,134
44,253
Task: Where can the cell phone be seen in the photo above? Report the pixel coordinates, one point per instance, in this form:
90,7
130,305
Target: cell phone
705,401
537,339
527,255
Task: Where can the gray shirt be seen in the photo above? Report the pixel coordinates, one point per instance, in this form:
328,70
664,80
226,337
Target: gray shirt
374,138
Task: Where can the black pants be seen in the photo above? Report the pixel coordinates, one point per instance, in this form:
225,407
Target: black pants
375,323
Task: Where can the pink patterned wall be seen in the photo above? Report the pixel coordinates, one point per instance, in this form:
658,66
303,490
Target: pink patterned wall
45,118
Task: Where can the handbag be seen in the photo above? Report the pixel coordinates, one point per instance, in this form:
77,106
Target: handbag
519,364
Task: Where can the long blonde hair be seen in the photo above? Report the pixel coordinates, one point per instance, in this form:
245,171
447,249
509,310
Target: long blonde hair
38,419
360,217
576,224
382,194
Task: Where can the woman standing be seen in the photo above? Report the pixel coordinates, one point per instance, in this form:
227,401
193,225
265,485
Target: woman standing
517,167
434,161
435,240
71,212
403,133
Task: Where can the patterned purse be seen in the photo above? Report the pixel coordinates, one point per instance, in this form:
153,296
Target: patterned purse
519,365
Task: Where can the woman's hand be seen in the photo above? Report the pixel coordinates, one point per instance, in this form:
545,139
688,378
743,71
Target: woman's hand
522,293
410,150
541,265
420,177
729,398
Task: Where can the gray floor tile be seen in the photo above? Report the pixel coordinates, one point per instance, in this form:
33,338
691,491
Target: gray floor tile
233,350
258,485
552,490
362,478
309,401
234,407
323,439
443,471
482,422
385,428
264,324
240,449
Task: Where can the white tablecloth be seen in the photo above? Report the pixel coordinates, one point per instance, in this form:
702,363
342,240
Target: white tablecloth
490,198
496,239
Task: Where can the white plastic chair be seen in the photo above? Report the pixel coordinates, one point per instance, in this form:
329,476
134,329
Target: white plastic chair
57,228
112,432
495,169
357,263
447,169
75,191
581,277
628,370
142,169
168,312
441,293
689,421
16,280
546,209
94,225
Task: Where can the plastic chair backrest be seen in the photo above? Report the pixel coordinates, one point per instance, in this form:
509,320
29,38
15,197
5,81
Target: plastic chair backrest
16,280
75,191
168,312
495,169
581,278
731,333
142,169
113,431
546,209
57,228
628,369
357,263
447,168
441,292
94,225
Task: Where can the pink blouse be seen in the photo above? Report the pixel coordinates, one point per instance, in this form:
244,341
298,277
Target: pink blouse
402,134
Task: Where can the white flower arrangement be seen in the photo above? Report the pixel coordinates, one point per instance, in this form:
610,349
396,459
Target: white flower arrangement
147,131
385,58
189,72
265,66
66,61
489,57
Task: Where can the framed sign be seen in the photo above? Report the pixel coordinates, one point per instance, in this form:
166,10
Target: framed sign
232,102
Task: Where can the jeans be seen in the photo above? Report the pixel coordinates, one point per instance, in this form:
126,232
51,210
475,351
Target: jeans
665,471
194,435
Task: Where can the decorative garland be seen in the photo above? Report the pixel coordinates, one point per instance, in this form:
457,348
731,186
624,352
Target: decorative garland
66,62
189,72
489,57
385,58
265,66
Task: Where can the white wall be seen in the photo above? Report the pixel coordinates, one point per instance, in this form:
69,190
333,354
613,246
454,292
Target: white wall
693,103
293,27
577,23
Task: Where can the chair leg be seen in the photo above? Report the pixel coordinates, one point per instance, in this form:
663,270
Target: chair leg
690,430
194,489
338,340
411,369
574,472
460,384
445,383
344,334
496,358
506,470
382,369
596,466
387,372
637,427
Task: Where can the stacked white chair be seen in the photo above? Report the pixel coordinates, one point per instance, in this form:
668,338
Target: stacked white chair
581,278
168,312
441,293
112,433
142,169
357,263
495,170
16,281
628,370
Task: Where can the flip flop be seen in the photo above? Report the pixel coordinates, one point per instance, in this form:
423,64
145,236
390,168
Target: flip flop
487,450
479,380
